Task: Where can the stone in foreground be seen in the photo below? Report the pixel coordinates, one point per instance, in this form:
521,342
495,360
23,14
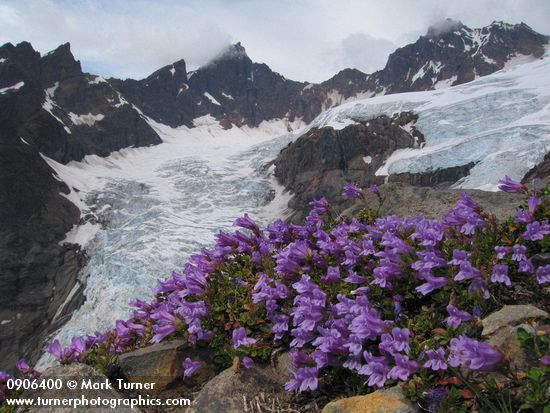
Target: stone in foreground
389,400
80,373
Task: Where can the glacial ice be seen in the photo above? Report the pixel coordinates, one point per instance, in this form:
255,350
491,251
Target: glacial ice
500,122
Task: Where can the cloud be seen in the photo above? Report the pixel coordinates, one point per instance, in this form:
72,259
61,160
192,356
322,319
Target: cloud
303,40
363,52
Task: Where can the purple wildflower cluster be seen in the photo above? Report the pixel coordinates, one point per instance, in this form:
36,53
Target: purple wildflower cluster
317,283
24,371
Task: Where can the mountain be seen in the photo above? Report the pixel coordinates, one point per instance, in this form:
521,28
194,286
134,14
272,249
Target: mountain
472,135
237,91
51,111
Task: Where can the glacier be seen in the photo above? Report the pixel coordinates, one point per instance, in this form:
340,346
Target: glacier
146,210
500,122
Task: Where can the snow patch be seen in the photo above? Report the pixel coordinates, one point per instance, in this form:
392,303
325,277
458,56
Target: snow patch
172,70
24,141
17,86
367,159
445,83
81,234
49,104
212,99
228,96
88,119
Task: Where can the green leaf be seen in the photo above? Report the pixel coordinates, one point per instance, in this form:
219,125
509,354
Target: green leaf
535,374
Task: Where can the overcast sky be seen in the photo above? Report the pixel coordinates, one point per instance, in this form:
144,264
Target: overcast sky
301,39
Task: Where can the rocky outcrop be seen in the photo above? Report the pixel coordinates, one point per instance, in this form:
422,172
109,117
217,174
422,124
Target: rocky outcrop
245,390
162,364
62,112
320,162
231,88
500,329
38,275
542,171
433,178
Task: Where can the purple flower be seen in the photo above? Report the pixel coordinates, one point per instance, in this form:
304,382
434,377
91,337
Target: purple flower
523,217
351,191
473,355
23,366
240,338
500,275
247,362
502,251
190,367
320,206
397,342
536,230
436,359
545,360
376,368
403,368
543,274
532,204
432,283
248,223
435,397
456,316
526,266
161,332
333,275
374,189
467,272
509,185
304,378
459,256
519,252
54,348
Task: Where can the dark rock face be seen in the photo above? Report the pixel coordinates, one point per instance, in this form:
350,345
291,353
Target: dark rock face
62,112
37,274
542,171
433,178
320,162
231,88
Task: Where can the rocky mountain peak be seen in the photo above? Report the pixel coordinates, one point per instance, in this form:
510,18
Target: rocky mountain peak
233,52
445,26
60,63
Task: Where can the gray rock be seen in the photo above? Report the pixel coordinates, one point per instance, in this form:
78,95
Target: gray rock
540,260
235,392
162,364
509,316
506,340
81,373
389,400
